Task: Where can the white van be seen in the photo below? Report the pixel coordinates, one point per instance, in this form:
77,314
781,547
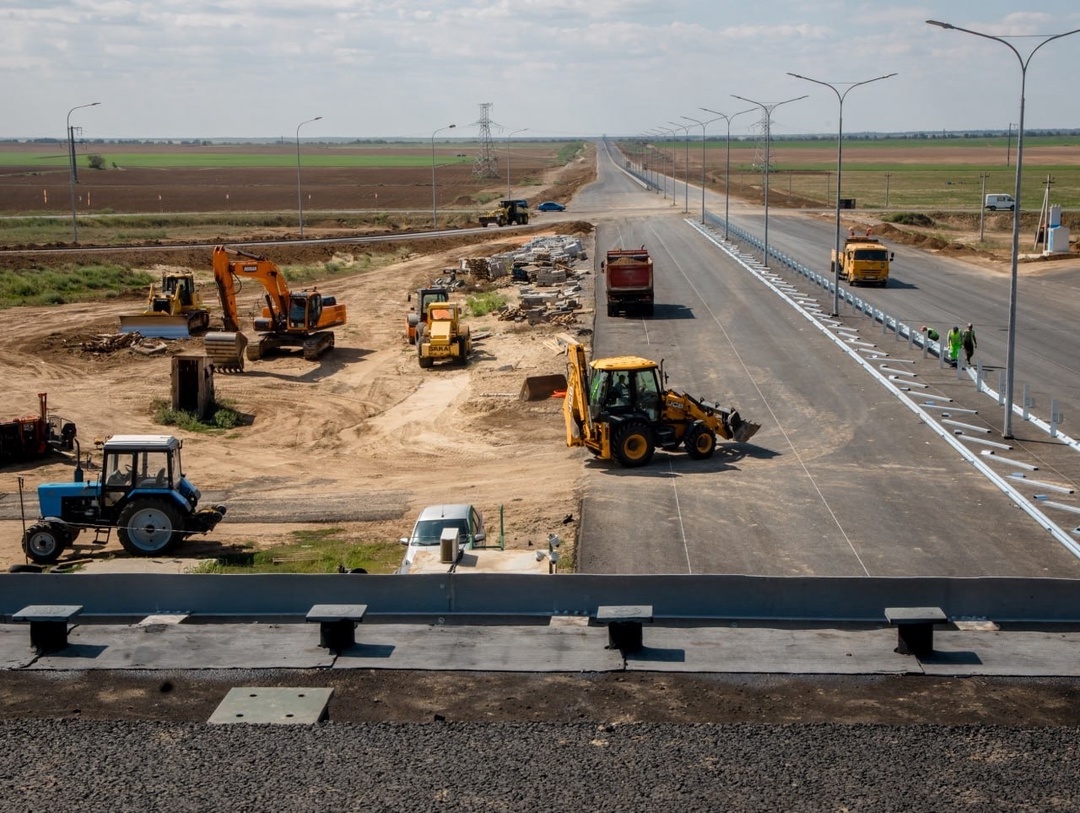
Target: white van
995,202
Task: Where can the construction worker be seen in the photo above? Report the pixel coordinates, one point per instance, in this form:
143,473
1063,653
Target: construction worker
969,343
953,340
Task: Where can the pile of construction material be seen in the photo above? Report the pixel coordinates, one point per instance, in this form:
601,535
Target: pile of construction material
545,307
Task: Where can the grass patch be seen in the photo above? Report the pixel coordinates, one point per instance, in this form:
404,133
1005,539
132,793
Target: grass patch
482,303
36,285
220,417
910,219
319,551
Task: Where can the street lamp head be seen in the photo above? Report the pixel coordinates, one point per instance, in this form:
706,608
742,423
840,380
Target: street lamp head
451,126
940,24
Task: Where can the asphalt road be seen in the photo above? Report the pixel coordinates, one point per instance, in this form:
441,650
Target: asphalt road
843,479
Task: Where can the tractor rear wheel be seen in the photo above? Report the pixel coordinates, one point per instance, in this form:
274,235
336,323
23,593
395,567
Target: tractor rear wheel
633,444
149,527
44,542
700,442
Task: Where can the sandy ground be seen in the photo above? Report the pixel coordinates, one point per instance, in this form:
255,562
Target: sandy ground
362,439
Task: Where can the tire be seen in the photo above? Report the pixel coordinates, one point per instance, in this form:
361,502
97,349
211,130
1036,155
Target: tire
700,442
612,310
149,527
647,311
43,542
424,361
463,351
633,444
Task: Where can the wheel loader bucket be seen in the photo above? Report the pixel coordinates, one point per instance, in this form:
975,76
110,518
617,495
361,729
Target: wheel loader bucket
226,350
155,326
539,387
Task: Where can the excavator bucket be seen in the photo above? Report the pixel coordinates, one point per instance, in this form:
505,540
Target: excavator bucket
226,350
158,326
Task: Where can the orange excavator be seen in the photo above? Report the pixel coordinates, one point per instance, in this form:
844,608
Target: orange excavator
288,319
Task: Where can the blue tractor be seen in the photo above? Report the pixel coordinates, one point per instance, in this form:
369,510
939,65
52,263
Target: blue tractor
142,492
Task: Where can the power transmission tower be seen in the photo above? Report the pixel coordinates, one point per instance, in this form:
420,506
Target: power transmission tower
763,136
486,164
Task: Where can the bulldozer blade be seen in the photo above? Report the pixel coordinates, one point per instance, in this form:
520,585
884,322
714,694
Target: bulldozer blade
226,350
156,327
539,387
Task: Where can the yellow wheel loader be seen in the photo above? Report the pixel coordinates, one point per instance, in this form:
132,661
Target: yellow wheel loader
174,309
621,411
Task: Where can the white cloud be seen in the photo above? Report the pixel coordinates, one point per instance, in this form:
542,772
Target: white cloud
211,68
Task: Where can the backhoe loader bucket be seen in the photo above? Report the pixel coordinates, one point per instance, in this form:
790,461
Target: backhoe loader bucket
539,387
226,350
156,326
740,430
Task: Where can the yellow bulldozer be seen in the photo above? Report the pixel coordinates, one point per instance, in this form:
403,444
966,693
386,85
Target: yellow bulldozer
174,309
621,411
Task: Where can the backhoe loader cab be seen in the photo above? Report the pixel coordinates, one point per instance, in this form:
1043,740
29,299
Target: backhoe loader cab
622,411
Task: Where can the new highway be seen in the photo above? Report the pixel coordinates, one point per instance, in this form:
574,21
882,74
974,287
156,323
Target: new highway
845,477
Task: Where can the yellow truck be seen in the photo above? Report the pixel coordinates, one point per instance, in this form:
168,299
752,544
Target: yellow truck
863,261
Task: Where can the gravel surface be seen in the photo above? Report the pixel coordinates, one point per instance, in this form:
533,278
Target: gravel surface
56,765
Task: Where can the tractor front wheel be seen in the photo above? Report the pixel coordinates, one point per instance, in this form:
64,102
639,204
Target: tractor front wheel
700,442
149,527
633,444
44,542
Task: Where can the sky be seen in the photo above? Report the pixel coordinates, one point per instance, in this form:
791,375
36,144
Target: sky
551,68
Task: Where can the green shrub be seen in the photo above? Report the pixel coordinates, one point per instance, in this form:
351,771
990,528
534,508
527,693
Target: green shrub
482,303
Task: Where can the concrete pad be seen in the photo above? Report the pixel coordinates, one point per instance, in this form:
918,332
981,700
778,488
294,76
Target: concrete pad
1013,654
273,704
15,649
770,651
565,648
190,646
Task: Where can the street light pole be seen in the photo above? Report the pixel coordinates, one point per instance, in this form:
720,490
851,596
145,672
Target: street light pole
727,161
73,174
508,158
839,167
1010,355
299,191
666,131
767,109
686,165
703,125
434,208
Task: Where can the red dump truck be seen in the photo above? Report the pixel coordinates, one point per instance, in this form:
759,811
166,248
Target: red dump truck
629,285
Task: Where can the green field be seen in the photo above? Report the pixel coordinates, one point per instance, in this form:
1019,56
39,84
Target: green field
926,174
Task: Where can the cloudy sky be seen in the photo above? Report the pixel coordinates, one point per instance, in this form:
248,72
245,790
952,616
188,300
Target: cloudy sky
386,68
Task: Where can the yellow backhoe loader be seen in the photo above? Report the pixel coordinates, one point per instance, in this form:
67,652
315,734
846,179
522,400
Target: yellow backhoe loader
621,411
174,309
288,319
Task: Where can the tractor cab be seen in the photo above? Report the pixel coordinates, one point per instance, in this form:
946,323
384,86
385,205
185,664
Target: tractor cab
625,385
